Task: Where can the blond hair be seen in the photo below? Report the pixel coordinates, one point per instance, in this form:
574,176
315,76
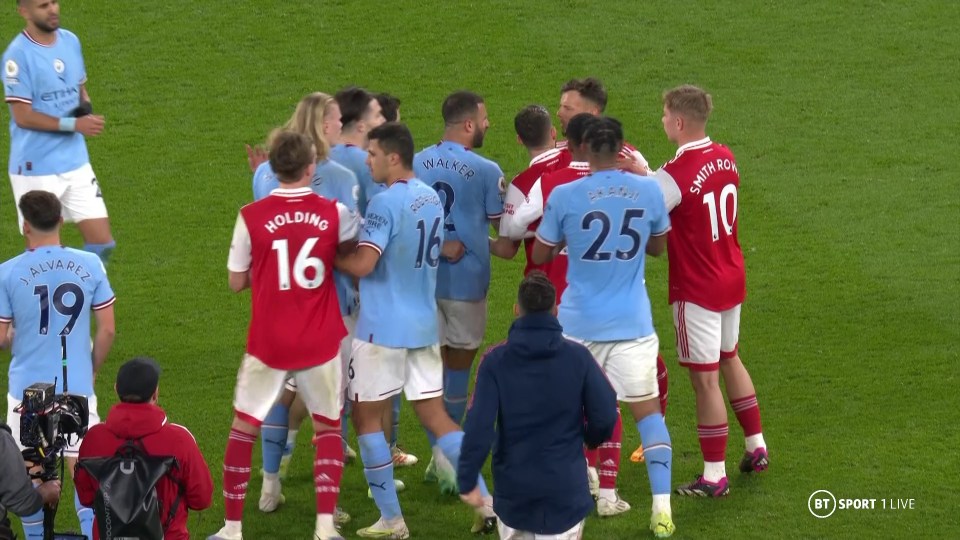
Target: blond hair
689,101
307,120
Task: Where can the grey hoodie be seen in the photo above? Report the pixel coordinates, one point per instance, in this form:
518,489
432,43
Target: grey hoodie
16,490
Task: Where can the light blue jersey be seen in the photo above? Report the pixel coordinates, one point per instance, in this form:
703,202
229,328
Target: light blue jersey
405,224
48,293
606,219
355,159
471,188
49,79
331,181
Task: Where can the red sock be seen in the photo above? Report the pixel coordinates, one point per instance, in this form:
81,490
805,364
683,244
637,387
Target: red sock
662,384
713,442
592,456
328,469
610,457
748,414
236,472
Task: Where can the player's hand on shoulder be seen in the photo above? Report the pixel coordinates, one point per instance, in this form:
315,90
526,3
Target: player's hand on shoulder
633,164
452,250
90,125
256,156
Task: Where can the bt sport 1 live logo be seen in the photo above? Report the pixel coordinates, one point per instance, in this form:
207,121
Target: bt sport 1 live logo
822,504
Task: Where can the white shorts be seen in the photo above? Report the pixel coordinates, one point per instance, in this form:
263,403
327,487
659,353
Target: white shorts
72,450
78,191
350,321
259,386
705,337
377,373
508,533
630,365
462,324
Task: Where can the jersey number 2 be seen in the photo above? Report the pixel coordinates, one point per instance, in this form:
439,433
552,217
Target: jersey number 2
70,310
300,265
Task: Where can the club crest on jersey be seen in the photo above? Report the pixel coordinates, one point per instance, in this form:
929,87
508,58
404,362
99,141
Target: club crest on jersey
58,66
11,69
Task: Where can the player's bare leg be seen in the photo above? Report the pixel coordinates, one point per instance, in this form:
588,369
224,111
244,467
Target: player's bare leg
448,435
391,423
712,431
743,400
655,440
97,237
378,468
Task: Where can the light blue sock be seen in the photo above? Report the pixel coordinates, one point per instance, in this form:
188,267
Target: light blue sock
102,250
274,432
396,420
378,468
456,385
450,446
33,526
657,452
84,515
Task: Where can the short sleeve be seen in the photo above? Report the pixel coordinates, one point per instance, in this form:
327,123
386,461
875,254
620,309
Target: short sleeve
16,78
669,187
660,224
550,231
103,294
520,211
240,249
6,305
378,224
349,223
494,188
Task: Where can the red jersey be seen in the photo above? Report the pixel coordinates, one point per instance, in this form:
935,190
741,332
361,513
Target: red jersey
556,269
517,222
566,157
288,240
700,188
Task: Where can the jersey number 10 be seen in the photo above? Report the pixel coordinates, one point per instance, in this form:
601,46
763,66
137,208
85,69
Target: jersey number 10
710,199
300,265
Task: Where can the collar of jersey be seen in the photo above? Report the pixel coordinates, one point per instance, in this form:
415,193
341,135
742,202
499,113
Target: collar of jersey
291,192
35,42
549,154
444,141
693,144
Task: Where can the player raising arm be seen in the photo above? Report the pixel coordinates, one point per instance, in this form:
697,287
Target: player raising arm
396,345
608,221
708,285
283,249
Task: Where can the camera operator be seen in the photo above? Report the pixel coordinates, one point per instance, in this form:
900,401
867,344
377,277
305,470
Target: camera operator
16,490
138,418
49,292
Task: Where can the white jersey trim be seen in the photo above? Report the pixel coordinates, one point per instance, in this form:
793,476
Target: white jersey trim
670,189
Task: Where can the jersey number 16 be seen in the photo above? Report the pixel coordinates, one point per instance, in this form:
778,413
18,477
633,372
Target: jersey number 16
300,265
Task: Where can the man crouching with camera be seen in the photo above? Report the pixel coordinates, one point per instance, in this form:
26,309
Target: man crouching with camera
17,494
48,293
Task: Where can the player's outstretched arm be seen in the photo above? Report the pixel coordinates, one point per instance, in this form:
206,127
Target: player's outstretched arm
504,247
27,118
4,335
103,341
359,263
543,253
656,245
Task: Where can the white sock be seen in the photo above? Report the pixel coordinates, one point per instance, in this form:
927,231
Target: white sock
271,483
661,503
325,526
291,437
755,441
608,494
713,471
232,528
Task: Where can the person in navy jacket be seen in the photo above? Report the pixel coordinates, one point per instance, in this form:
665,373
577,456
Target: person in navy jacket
547,397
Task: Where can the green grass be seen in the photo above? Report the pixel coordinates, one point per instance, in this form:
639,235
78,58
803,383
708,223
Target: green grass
843,117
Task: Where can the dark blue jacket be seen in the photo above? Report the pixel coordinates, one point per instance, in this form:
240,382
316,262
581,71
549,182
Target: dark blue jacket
548,397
